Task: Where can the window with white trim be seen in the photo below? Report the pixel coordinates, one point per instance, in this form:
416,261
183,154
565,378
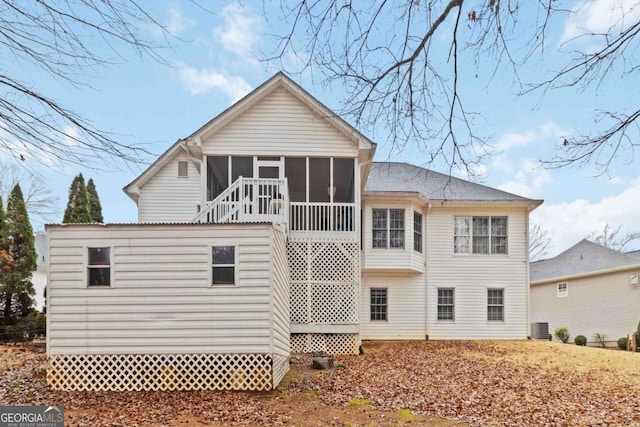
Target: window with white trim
183,169
563,289
99,266
417,232
378,307
446,304
223,265
495,305
387,228
480,235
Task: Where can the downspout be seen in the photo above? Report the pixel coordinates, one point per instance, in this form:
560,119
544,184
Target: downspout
426,272
528,273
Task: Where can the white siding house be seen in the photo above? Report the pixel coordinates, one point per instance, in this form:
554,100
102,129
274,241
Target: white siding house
329,248
588,289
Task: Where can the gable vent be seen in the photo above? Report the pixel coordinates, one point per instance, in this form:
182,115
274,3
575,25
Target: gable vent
183,169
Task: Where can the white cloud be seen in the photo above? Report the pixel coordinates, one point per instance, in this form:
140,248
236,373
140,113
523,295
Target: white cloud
241,30
600,16
547,130
529,180
570,222
207,80
177,21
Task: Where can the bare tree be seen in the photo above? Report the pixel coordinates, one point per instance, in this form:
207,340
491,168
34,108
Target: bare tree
539,242
400,65
614,238
66,39
42,204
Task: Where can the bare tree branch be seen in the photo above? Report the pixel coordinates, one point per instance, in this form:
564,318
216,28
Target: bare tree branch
399,67
613,238
64,39
539,242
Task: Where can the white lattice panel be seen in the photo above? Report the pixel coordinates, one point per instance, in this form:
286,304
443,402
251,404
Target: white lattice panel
334,262
161,372
299,307
329,343
298,254
334,303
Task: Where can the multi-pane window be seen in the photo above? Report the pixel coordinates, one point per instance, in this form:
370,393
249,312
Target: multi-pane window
378,303
388,228
99,267
223,266
563,289
417,232
480,235
445,304
495,305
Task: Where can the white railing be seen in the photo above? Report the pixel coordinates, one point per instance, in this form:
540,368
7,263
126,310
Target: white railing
249,200
322,216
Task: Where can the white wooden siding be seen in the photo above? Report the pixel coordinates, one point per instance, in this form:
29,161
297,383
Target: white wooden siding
161,300
471,276
405,307
281,299
279,125
605,304
169,198
395,258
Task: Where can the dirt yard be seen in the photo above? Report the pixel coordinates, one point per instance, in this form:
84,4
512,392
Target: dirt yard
516,383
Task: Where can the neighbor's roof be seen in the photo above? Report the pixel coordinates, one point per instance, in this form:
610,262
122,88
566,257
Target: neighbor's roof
404,177
583,257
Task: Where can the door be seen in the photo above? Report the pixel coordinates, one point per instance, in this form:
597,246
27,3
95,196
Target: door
269,195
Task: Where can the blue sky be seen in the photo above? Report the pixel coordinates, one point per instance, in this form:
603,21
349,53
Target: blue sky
215,62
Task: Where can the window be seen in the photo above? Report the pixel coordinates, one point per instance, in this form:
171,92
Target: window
223,266
378,304
388,228
183,169
417,232
563,289
99,267
480,235
495,305
445,304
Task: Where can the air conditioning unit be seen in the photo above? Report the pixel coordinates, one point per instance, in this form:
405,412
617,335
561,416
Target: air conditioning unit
540,330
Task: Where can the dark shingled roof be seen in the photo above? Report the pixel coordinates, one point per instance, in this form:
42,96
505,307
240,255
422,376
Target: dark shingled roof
403,177
583,257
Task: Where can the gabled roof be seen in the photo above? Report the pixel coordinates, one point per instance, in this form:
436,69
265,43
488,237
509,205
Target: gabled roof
404,177
583,257
279,80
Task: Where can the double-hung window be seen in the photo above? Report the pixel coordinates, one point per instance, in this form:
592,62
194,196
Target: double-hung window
563,289
446,304
99,266
417,232
480,235
223,265
495,305
378,307
387,228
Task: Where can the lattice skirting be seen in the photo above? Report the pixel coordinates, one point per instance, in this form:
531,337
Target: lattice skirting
165,372
328,343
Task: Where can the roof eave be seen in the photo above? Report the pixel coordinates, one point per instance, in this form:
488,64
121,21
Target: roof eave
586,274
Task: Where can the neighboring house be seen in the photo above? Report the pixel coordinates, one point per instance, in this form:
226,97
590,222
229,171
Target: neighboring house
271,230
588,289
39,277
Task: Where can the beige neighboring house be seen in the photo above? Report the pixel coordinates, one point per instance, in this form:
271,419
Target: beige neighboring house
588,289
271,230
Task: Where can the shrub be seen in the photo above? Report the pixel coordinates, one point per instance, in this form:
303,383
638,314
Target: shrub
622,343
550,337
600,339
562,334
581,340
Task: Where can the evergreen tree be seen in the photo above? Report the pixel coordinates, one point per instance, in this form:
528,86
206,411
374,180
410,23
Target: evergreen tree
16,284
78,205
95,208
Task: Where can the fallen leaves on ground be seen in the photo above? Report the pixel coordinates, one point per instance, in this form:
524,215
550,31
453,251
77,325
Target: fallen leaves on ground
444,382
